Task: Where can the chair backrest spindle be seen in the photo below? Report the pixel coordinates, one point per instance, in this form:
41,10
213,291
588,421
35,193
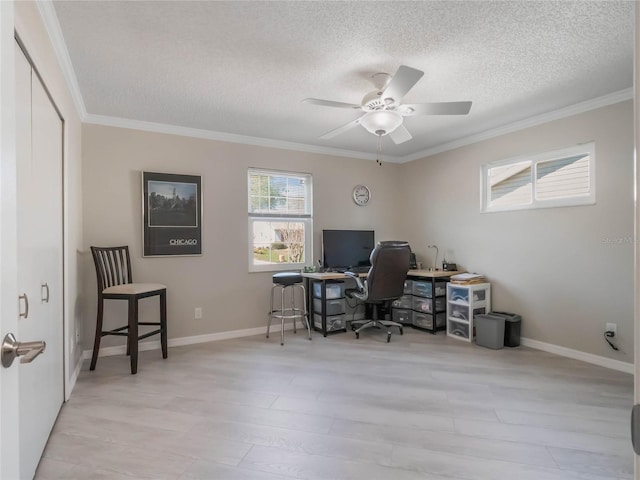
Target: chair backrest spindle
113,266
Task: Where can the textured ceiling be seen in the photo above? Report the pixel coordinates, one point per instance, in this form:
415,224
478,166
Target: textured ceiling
243,68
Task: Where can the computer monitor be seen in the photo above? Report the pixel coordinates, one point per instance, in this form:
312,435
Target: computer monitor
345,249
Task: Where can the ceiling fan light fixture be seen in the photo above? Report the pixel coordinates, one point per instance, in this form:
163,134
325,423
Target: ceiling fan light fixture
381,120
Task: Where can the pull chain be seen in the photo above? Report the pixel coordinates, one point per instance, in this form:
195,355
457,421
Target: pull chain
379,151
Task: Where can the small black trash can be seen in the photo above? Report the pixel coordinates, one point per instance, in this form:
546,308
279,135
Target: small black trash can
512,326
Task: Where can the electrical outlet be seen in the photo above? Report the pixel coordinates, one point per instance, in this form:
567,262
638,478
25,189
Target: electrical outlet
198,313
611,327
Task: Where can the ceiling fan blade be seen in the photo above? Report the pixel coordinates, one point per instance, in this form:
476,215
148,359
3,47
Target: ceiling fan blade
400,135
329,103
438,108
404,79
343,128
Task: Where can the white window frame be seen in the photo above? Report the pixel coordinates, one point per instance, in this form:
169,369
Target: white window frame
587,199
306,219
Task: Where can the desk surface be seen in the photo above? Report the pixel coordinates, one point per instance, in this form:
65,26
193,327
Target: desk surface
411,273
432,274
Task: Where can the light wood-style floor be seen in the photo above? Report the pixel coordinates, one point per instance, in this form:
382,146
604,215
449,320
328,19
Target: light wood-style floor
421,407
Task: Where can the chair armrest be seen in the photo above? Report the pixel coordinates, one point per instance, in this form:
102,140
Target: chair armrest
356,277
363,292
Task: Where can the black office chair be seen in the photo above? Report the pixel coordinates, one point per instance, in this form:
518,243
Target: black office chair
384,283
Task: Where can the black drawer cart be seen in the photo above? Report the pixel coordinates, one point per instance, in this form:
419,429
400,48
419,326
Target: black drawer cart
424,303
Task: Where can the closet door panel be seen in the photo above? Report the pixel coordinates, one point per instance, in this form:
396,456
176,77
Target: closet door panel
40,240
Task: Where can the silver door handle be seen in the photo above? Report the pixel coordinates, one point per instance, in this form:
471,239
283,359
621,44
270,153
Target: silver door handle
44,298
11,349
24,297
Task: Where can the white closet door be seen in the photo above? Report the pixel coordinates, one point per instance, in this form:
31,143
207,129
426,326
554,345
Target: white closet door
39,193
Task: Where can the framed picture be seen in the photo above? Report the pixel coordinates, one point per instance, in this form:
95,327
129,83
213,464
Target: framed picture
171,214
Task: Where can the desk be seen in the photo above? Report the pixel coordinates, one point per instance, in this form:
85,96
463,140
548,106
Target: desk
328,277
432,274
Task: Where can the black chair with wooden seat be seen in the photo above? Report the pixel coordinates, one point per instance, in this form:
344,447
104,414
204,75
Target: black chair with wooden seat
384,283
115,282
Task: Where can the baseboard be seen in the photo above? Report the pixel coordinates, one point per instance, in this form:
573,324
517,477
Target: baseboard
213,337
178,342
578,355
73,378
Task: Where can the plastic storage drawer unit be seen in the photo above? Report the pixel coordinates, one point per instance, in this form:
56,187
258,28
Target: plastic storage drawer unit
459,312
333,307
401,315
425,320
336,322
426,305
334,290
459,294
458,329
406,301
490,331
422,289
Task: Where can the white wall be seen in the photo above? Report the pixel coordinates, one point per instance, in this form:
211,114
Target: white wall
568,270
218,281
31,31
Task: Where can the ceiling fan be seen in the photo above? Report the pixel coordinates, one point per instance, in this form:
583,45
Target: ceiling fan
384,112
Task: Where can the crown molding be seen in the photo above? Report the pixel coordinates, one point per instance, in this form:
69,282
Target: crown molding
52,26
50,20
226,137
605,100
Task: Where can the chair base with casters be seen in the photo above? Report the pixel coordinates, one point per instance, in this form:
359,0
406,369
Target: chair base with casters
359,325
288,282
115,282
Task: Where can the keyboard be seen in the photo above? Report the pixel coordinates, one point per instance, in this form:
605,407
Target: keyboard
359,269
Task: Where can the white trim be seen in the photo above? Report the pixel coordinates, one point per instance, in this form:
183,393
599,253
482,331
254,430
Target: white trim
73,378
604,101
305,218
51,24
214,337
178,342
578,355
225,137
532,161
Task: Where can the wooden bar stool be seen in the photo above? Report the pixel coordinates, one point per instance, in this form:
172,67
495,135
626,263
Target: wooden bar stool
288,311
115,282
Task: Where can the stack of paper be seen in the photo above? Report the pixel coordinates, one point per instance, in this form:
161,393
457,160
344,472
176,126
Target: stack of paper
467,278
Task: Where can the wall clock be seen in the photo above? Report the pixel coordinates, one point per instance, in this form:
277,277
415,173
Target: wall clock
361,195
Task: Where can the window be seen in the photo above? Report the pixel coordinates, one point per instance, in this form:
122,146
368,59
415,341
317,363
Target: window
553,179
280,220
